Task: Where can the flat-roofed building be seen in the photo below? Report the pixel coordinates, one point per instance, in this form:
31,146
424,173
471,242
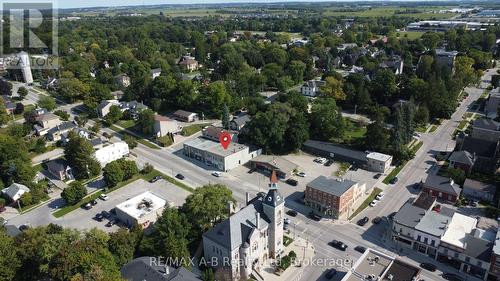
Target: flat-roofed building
212,153
111,153
333,197
142,209
378,162
268,163
375,265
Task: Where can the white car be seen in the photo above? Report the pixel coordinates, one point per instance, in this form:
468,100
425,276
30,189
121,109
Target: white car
301,174
379,196
286,221
373,203
216,174
104,197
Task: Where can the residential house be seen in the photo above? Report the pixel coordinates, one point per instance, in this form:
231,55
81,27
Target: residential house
248,239
485,152
164,125
442,188
133,108
333,197
394,63
492,104
155,73
486,129
10,107
79,132
213,133
462,160
477,190
312,88
45,122
60,169
104,107
446,58
494,273
189,63
239,122
57,132
122,80
155,269
15,191
378,162
185,116
111,153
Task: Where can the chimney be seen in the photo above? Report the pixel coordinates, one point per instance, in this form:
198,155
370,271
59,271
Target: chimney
247,199
257,220
451,181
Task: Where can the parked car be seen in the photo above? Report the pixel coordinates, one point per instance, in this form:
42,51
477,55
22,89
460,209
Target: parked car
93,202
106,214
251,170
338,245
379,196
180,176
216,174
428,266
360,249
301,174
452,277
474,203
363,221
87,206
376,220
314,216
285,226
24,227
377,176
292,182
330,273
111,222
291,213
329,163
104,197
99,217
394,180
286,221
373,203
155,179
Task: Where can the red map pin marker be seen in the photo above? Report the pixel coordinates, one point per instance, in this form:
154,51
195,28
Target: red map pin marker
225,139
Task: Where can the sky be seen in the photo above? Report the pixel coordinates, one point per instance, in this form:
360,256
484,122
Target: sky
63,4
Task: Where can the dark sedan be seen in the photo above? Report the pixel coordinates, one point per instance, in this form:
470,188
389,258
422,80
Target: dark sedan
363,221
338,245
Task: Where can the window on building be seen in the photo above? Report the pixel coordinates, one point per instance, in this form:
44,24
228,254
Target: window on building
432,243
479,263
418,238
467,259
213,248
456,255
425,240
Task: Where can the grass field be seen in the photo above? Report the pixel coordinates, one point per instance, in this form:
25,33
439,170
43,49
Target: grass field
426,12
367,201
193,129
139,140
411,35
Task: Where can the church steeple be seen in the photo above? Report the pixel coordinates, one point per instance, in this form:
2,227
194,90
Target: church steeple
273,181
273,197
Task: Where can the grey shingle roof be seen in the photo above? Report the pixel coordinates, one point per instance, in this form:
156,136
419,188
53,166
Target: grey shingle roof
442,184
336,150
478,248
463,157
479,186
480,147
487,124
332,186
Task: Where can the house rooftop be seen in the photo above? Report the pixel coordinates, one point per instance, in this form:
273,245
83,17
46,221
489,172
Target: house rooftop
152,269
480,147
332,186
277,162
486,124
379,156
409,215
424,201
142,204
479,186
433,223
462,156
443,184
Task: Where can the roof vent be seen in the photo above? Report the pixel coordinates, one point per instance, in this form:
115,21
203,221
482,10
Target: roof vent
390,277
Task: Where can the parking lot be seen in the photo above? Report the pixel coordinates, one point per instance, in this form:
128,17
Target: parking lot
84,219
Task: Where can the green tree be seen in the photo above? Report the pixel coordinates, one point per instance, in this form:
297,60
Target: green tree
22,91
147,121
170,236
114,115
81,120
215,97
130,140
122,245
47,102
74,193
326,120
422,115
225,117
15,164
4,116
9,259
333,88
383,86
62,114
79,154
113,173
207,206
128,167
376,137
296,70
72,89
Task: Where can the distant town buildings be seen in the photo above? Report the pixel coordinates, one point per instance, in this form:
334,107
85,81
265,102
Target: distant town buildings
189,63
164,126
312,88
185,116
25,65
15,191
122,80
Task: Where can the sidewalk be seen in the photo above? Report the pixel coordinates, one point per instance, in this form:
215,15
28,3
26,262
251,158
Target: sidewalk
305,254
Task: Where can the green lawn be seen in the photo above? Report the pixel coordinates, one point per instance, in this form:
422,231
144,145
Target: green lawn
433,128
126,123
65,210
463,124
422,129
410,35
287,240
414,148
139,140
193,129
367,201
344,166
